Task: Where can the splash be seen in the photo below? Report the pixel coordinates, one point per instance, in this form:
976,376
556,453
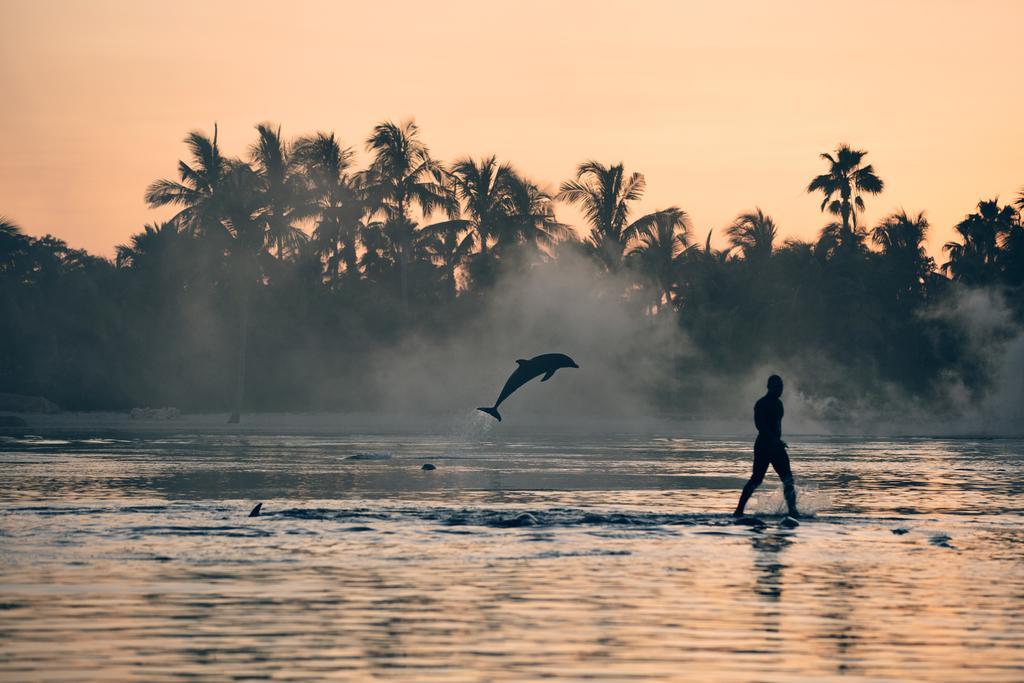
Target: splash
809,499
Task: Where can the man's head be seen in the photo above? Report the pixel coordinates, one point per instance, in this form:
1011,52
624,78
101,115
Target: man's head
775,385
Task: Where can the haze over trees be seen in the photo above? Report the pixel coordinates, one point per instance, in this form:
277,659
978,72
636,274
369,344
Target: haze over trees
280,273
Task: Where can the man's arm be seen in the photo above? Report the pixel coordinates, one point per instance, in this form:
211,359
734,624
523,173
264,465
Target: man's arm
778,432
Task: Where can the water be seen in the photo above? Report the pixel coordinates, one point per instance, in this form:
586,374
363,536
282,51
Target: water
521,557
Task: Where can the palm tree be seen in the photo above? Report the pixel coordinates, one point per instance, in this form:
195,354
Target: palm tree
448,244
282,187
1011,254
198,191
847,178
8,227
976,258
377,261
834,240
753,234
245,221
484,188
605,193
150,249
402,175
339,203
12,243
530,217
901,238
659,247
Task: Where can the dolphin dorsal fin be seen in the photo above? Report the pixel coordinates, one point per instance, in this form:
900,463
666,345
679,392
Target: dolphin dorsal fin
521,361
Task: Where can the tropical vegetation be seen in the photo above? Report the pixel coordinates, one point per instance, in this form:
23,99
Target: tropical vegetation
292,264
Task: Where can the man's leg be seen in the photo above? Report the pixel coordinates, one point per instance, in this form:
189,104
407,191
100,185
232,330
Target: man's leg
761,461
780,462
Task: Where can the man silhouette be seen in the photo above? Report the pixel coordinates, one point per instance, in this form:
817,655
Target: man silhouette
769,448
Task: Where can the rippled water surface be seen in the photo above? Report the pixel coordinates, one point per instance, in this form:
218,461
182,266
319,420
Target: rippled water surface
520,557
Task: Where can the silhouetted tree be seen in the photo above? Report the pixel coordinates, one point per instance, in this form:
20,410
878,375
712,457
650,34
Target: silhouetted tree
901,238
198,192
340,203
12,242
530,219
836,241
484,189
245,222
282,187
1012,256
658,248
449,245
975,260
402,175
605,194
847,178
753,234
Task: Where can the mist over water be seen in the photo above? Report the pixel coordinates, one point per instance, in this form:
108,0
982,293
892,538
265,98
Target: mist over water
638,366
548,307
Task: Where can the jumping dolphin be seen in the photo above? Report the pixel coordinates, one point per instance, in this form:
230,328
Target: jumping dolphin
545,364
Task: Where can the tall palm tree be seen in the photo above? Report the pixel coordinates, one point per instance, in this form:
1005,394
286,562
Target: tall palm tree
847,177
198,191
340,206
754,234
901,238
245,222
530,217
484,188
403,176
605,194
658,249
282,186
976,258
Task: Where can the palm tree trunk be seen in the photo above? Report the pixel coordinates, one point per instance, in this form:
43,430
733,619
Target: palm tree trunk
243,325
403,273
846,214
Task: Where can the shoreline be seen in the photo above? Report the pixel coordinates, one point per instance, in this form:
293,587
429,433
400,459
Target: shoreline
476,426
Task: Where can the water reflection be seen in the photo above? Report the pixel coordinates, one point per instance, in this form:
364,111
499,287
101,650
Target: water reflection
768,566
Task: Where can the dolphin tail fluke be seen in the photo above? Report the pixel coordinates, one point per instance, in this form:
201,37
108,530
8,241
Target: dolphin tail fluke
493,412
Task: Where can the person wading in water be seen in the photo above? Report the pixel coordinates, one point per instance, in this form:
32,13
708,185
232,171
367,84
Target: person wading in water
769,448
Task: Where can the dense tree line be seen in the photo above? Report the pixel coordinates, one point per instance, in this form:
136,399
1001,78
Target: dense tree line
292,265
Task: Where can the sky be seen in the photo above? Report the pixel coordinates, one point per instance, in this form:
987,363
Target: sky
723,106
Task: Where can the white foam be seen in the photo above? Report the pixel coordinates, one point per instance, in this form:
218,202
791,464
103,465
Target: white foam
809,500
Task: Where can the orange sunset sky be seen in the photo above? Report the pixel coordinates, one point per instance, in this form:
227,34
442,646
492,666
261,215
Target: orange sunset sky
722,105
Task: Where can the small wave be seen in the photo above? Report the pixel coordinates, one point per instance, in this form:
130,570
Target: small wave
231,531
370,456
